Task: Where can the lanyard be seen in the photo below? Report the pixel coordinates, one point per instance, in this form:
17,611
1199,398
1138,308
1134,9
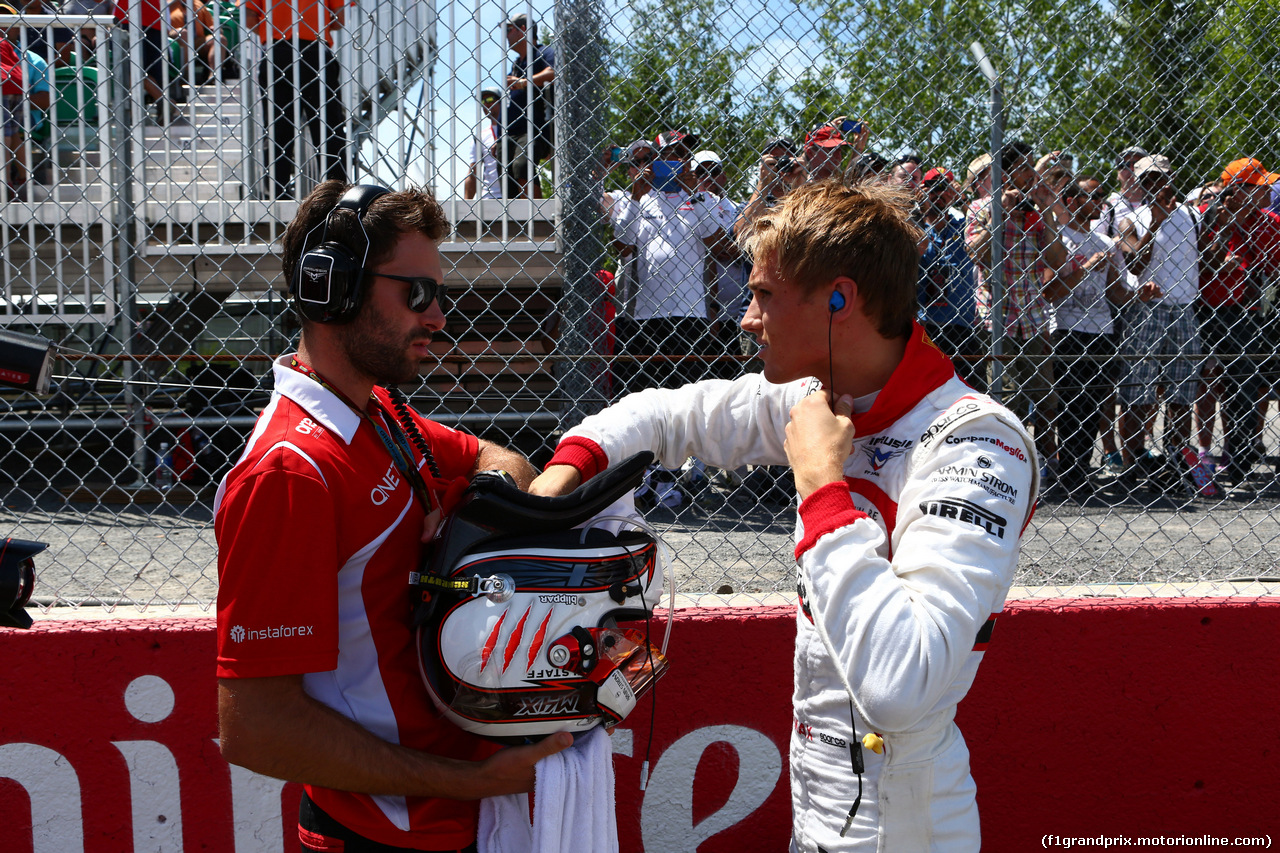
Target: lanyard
389,433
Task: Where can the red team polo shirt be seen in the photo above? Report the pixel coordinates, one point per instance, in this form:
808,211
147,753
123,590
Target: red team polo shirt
1257,247
317,533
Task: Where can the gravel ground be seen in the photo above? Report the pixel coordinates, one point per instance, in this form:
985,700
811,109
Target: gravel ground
727,542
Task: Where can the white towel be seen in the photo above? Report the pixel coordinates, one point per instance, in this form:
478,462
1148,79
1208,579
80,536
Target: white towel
573,808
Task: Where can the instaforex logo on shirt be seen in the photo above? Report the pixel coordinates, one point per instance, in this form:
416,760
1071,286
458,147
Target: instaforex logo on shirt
240,634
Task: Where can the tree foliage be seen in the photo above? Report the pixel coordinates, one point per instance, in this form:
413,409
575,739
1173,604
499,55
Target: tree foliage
679,69
1192,79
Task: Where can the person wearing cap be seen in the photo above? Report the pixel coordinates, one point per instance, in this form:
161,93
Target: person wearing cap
1122,205
1033,256
1162,243
529,83
1083,344
671,229
824,150
708,170
484,165
1242,256
1054,175
948,304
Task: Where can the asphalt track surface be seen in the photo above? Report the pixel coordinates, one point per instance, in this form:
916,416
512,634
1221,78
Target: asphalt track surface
726,542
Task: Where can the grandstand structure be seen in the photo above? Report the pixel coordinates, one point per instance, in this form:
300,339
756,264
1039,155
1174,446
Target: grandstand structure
150,243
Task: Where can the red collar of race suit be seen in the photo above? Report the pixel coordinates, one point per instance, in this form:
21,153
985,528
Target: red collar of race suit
922,370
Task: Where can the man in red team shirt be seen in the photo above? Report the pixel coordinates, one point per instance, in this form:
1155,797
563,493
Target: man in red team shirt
318,526
1241,257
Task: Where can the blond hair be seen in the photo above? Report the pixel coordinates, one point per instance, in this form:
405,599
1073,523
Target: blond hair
828,229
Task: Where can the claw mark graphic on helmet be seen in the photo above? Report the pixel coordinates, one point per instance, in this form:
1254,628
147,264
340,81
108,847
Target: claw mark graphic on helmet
491,643
514,643
538,639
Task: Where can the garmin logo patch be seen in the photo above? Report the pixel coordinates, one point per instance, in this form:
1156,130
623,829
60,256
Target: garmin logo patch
969,513
240,634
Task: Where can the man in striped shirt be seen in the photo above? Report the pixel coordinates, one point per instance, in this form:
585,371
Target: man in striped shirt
1033,256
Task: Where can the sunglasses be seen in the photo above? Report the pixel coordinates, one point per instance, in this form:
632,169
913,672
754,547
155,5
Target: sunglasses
712,171
422,291
488,99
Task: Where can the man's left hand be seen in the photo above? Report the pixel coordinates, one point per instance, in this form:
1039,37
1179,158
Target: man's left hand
556,480
819,441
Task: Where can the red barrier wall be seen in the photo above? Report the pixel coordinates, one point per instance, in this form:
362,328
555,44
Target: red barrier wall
1088,718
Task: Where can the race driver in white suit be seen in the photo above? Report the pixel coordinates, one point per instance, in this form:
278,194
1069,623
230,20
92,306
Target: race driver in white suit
914,493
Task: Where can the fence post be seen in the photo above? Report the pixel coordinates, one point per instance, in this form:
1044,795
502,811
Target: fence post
995,276
579,140
997,243
129,114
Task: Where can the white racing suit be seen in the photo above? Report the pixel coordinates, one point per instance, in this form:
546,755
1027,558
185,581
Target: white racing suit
902,569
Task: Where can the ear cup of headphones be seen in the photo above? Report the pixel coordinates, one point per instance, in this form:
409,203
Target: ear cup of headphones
326,282
837,301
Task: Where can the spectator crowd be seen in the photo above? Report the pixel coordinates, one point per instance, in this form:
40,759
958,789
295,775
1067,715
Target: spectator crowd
1108,312
1124,320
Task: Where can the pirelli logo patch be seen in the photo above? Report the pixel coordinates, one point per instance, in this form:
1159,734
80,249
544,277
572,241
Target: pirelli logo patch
969,513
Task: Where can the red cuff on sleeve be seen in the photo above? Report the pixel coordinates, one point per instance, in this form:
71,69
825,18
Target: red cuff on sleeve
827,509
583,454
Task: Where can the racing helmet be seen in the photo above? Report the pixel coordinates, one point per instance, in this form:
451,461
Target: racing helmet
520,630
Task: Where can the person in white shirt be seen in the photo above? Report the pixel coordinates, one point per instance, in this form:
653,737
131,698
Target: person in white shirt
484,165
1083,346
1162,346
671,232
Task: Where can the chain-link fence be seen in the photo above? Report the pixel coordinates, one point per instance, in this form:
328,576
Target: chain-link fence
597,164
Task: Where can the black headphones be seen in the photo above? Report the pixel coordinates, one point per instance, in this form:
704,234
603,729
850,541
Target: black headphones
326,282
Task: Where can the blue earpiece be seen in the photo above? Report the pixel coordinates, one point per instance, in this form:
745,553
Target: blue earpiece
837,301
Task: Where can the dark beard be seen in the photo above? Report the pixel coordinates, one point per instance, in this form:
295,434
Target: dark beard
371,350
